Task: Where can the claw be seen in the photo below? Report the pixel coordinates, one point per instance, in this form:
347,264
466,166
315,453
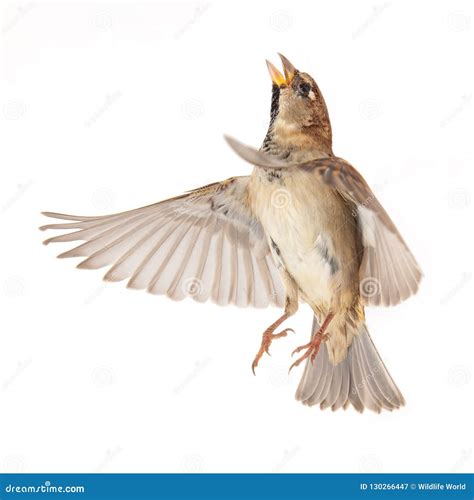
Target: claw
313,346
300,348
296,363
283,333
267,339
254,365
312,350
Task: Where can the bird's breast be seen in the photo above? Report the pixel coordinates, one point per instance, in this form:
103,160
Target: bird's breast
302,218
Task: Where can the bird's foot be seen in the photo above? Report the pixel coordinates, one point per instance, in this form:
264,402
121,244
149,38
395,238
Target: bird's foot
267,339
312,349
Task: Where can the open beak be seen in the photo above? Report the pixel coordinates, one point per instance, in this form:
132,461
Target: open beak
277,77
288,68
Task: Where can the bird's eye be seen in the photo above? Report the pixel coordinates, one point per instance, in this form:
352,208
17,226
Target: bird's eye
303,89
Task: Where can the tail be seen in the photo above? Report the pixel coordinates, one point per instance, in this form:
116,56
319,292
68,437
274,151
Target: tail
361,379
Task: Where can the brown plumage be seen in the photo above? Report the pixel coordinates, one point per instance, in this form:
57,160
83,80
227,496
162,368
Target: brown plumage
305,226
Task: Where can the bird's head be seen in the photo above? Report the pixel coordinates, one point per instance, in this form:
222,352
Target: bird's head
299,117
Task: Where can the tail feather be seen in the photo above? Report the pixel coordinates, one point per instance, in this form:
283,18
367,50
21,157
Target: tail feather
361,379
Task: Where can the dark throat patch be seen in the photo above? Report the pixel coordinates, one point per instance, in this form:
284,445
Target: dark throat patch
273,114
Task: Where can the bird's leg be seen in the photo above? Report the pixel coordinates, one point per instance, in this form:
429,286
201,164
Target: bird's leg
312,348
269,336
291,306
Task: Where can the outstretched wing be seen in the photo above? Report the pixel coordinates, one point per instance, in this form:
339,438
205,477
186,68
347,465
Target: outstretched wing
388,273
205,244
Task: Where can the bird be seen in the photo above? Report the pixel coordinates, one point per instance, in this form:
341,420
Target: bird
303,227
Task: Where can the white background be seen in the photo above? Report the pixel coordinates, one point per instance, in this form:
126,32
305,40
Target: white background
110,106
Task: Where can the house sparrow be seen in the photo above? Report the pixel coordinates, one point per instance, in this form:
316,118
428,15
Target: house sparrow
304,226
